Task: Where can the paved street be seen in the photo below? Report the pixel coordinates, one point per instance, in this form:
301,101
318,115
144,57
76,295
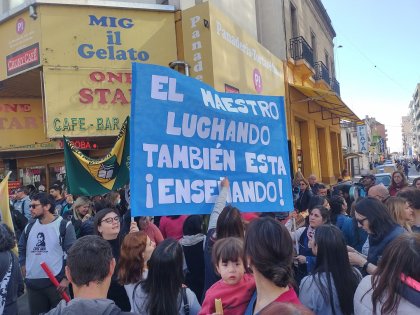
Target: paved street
23,307
412,173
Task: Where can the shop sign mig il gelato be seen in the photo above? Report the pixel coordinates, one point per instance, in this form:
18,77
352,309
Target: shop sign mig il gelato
87,71
106,38
114,38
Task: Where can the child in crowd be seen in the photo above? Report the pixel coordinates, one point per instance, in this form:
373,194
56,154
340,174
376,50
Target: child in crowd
236,287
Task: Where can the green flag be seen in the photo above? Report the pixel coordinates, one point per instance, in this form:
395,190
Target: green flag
88,177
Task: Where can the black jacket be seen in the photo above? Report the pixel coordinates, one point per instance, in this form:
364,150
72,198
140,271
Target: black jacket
15,285
302,202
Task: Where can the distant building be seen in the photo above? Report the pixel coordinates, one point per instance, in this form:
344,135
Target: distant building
408,137
415,119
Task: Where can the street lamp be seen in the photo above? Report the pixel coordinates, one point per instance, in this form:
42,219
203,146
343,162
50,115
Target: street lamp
337,61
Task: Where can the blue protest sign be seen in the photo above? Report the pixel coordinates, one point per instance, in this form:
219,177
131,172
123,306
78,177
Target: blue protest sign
185,137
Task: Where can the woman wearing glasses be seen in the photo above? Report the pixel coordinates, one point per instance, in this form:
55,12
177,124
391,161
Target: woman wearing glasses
107,225
373,216
305,194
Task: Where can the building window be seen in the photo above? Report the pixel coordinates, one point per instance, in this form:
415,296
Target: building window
327,61
293,20
313,44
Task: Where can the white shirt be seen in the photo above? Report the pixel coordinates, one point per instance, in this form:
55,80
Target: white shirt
43,245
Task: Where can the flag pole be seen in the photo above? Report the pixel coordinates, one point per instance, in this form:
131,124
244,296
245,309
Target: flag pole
5,205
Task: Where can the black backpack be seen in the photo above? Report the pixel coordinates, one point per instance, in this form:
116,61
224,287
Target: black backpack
19,220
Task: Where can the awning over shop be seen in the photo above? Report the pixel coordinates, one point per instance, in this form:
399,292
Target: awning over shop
330,104
350,156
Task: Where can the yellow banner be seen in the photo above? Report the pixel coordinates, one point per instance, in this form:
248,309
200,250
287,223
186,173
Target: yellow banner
20,45
4,205
94,37
88,176
22,124
224,55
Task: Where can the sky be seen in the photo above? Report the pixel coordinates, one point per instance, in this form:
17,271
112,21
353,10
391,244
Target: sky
378,65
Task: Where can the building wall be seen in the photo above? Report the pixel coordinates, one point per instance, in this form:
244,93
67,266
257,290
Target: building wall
241,12
415,118
271,26
311,19
269,22
407,135
321,150
317,139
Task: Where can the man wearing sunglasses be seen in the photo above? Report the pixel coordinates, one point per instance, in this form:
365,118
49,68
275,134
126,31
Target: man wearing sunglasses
57,237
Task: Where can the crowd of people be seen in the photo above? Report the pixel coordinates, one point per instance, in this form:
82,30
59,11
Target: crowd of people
334,254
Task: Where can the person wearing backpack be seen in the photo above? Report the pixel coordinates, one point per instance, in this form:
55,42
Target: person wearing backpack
47,238
56,191
22,201
90,266
19,221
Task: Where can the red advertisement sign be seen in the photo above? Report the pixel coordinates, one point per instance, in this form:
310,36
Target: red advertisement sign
23,59
13,185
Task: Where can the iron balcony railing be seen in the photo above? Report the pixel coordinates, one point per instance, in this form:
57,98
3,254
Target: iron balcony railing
335,85
321,72
300,49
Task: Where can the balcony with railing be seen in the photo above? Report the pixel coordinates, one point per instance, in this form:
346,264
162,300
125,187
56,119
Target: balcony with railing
335,86
321,72
300,50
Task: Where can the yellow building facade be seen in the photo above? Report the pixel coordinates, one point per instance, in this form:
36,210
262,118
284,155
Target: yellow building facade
63,78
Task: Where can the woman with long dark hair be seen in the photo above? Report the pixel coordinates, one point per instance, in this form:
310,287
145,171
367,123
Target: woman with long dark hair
330,288
301,237
395,286
398,182
340,219
269,255
162,292
416,183
373,217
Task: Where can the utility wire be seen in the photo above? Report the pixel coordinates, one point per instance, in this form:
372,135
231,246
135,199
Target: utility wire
374,64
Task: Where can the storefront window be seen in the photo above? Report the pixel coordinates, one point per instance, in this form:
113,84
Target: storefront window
35,175
56,173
